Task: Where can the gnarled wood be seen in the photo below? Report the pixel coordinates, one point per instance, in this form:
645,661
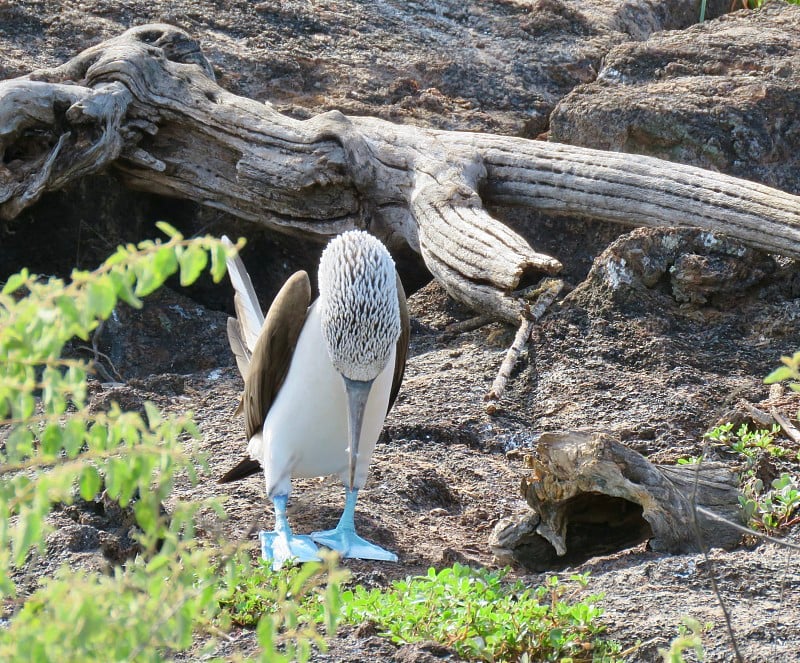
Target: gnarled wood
146,104
591,495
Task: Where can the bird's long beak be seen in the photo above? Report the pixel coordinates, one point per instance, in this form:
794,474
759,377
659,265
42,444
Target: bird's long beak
357,395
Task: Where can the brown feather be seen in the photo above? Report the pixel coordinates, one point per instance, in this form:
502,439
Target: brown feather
402,344
238,347
244,469
274,348
270,359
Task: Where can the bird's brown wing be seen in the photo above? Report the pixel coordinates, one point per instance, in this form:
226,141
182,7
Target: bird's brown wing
270,360
402,343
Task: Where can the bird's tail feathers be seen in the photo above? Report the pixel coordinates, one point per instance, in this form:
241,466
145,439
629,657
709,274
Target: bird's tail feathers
248,310
244,469
238,346
256,448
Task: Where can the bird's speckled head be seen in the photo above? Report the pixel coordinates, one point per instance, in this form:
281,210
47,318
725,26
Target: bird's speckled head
358,304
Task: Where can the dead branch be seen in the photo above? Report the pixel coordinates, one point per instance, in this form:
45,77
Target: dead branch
591,495
146,104
546,296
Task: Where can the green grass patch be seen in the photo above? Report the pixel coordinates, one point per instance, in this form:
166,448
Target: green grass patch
476,612
485,618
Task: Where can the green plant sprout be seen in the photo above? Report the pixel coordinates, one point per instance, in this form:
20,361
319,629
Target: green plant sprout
254,590
776,509
690,637
748,443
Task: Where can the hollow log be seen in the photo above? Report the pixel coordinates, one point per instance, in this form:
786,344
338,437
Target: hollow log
590,495
146,104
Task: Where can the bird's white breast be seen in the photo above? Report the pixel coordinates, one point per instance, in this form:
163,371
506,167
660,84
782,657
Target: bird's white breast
305,431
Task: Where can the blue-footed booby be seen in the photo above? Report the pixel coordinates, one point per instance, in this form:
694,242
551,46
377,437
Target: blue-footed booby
319,380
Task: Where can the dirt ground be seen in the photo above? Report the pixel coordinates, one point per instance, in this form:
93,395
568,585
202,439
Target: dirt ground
628,359
655,363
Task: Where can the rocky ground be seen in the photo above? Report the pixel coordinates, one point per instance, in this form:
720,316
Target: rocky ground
633,360
656,361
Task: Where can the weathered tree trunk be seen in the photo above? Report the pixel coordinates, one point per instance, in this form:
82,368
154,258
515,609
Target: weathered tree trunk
590,495
146,104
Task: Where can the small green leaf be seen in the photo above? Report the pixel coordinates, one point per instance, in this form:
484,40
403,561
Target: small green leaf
124,283
90,482
29,531
51,439
19,444
169,230
145,516
146,278
780,373
15,281
218,267
165,263
265,632
154,417
192,261
102,297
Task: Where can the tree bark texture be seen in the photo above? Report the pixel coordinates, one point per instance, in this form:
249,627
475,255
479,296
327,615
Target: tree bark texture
146,104
590,495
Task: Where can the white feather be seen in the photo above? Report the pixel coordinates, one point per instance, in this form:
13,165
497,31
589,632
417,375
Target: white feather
248,310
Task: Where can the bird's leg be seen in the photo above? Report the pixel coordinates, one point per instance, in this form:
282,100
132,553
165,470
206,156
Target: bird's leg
344,539
281,544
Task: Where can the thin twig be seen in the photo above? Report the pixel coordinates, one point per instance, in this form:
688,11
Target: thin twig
783,591
638,646
786,425
759,416
746,530
101,355
468,325
547,291
709,564
521,339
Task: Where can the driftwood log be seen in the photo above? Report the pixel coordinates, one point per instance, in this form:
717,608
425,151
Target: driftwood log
146,104
590,495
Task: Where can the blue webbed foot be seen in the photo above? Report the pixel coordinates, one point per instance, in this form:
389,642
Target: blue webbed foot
281,547
349,544
344,539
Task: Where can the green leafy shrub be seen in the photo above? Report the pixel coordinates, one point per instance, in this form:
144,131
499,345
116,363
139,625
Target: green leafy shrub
773,509
482,617
175,594
287,606
52,442
749,443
